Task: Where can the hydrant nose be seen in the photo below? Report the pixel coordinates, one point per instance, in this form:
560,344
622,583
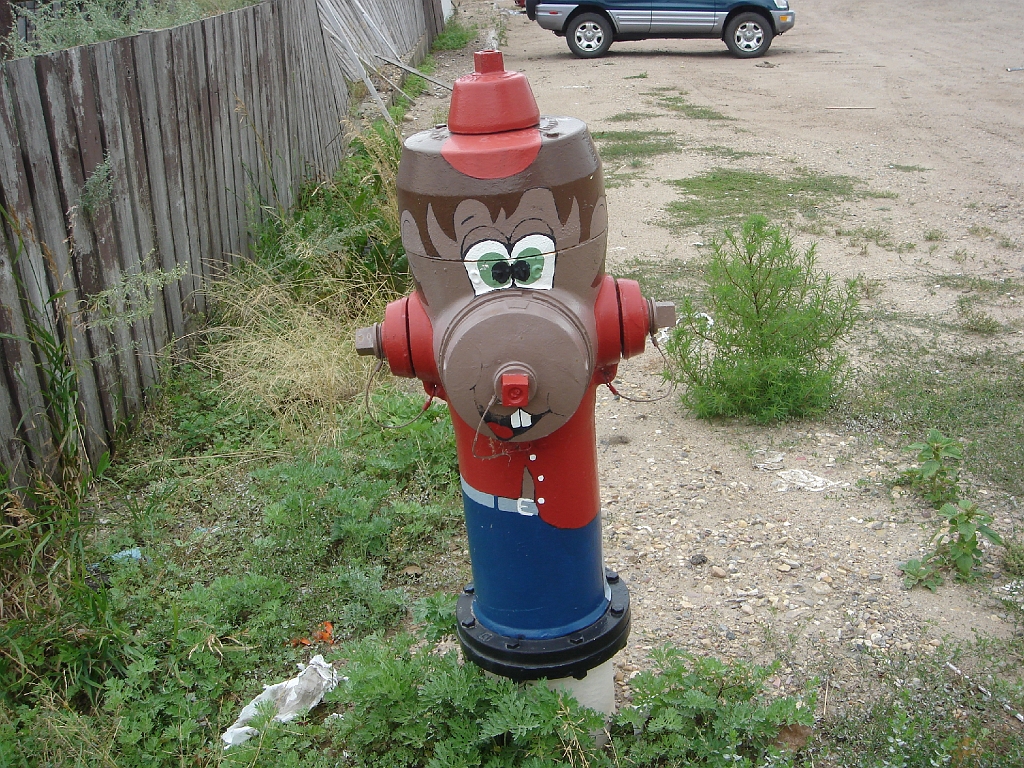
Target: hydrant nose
515,390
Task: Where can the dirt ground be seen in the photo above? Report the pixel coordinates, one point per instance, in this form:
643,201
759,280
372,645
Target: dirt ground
909,97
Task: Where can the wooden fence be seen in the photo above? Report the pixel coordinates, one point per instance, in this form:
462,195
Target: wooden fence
134,161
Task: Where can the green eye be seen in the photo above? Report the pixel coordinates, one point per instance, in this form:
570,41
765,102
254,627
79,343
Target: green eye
534,262
488,267
494,269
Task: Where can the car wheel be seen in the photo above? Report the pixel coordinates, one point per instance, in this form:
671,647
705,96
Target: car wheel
748,35
589,35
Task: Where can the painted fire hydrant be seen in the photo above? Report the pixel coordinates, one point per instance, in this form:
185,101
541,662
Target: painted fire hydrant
515,324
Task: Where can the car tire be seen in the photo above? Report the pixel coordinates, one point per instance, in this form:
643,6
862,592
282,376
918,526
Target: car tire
748,35
589,35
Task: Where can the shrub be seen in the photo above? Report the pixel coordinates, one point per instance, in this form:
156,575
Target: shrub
766,346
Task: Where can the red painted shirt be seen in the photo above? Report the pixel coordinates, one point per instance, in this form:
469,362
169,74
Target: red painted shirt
563,466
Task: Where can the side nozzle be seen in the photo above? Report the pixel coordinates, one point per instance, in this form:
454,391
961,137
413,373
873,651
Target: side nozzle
663,315
368,341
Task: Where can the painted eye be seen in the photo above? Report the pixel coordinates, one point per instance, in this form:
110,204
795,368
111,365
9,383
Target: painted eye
488,267
533,262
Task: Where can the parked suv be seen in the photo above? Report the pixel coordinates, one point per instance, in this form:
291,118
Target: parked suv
590,27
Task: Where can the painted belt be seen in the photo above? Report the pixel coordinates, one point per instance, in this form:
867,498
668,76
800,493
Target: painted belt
527,507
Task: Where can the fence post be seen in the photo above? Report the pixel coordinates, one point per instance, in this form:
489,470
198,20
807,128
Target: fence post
6,25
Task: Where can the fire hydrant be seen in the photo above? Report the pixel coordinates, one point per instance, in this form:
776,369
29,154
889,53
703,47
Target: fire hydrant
515,324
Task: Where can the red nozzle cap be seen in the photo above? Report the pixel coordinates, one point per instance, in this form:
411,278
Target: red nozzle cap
515,390
488,61
492,100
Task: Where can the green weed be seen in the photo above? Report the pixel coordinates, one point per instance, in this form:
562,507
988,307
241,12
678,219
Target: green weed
980,285
641,76
934,236
728,196
406,705
956,547
975,321
910,168
285,320
766,344
937,474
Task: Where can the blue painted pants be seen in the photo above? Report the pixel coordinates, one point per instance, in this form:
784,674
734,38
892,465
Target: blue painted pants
532,580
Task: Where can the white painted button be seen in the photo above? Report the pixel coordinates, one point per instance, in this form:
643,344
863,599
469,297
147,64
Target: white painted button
533,457
540,501
540,478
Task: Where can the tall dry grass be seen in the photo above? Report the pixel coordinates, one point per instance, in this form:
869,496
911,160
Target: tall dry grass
285,322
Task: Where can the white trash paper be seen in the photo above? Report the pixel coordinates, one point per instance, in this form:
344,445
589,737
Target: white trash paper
291,698
803,480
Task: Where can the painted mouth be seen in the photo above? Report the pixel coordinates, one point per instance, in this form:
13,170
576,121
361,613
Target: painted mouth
512,425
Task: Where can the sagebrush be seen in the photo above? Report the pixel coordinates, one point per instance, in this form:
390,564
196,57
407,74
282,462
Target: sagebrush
766,342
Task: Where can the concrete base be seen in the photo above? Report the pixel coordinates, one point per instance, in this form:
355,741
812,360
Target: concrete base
596,690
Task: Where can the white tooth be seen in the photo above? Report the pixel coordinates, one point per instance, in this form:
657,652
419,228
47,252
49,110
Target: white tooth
526,419
516,421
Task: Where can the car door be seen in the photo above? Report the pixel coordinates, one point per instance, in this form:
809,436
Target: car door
685,17
631,17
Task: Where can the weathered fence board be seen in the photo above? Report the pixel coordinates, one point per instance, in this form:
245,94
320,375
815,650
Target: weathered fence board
22,374
123,161
121,201
53,274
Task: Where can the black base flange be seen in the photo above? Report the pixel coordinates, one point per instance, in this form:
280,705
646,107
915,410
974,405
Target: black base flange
571,655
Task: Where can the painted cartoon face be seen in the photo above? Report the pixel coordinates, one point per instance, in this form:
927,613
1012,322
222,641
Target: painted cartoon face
508,270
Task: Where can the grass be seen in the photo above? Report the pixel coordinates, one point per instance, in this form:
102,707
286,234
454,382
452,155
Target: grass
910,168
986,233
726,196
61,25
455,36
630,117
726,153
861,236
980,285
284,323
976,396
634,145
678,103
946,708
669,280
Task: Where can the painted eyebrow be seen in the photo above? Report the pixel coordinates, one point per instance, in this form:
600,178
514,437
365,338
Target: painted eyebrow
467,219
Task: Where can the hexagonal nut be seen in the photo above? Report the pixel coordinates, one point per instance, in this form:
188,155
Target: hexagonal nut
663,315
368,340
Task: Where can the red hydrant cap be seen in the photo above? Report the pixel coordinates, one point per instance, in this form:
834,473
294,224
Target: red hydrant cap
492,120
515,390
492,100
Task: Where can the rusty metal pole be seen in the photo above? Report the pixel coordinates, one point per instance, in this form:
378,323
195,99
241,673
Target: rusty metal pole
515,324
